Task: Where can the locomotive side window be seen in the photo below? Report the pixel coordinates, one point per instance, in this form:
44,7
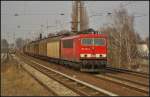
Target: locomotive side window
68,43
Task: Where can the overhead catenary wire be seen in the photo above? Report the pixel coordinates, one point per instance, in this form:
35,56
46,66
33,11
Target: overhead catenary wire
26,13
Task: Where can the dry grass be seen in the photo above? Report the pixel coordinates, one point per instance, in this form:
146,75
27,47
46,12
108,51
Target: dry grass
16,82
143,65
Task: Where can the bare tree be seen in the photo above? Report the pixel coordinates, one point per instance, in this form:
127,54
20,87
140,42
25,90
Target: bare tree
63,32
4,45
122,39
147,41
19,43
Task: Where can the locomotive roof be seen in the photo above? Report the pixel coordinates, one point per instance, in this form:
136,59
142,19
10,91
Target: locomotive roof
66,37
53,37
84,35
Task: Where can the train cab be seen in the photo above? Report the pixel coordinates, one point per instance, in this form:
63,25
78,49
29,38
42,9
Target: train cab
90,50
93,51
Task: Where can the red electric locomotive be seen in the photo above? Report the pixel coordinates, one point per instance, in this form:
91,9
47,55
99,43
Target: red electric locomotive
88,51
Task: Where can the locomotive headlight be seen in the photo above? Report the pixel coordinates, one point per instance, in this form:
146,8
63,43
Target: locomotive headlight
103,55
100,55
97,55
88,55
82,55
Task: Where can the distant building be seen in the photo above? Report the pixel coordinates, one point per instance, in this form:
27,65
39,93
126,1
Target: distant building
143,49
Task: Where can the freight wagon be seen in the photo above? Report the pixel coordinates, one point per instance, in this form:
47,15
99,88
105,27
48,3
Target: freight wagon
87,52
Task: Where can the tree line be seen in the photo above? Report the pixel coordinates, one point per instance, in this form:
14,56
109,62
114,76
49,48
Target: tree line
122,40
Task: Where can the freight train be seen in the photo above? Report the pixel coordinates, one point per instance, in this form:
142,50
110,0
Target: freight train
85,52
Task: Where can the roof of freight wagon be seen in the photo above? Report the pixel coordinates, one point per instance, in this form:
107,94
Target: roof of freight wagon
47,38
70,37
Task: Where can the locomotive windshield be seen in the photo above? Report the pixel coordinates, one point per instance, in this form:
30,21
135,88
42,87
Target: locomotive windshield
93,41
87,41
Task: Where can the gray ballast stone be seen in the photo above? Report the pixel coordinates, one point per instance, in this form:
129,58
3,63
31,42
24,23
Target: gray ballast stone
52,84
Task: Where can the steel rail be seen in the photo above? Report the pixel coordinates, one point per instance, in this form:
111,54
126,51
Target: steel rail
80,87
113,82
125,84
45,86
97,89
127,80
140,74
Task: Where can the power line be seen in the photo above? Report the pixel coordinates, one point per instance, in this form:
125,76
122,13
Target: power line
30,14
140,16
132,3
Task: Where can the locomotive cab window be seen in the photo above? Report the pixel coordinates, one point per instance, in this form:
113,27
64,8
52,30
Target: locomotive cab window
87,41
99,41
93,41
68,43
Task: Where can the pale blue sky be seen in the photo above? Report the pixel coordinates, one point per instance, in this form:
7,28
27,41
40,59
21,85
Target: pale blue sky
33,14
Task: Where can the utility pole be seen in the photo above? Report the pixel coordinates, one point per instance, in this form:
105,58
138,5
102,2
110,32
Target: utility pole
14,39
41,32
47,29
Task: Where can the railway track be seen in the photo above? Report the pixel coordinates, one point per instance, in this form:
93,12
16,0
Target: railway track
128,79
127,83
78,86
139,74
4,58
117,87
45,86
34,77
135,80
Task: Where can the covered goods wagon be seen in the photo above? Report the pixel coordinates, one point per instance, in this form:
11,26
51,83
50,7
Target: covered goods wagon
53,47
36,48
